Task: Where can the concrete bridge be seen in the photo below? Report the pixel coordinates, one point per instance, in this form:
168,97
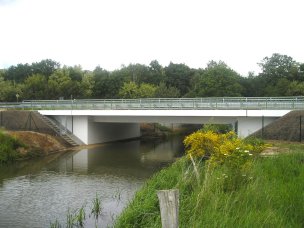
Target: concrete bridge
97,121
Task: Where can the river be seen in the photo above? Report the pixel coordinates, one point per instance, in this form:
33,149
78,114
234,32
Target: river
37,192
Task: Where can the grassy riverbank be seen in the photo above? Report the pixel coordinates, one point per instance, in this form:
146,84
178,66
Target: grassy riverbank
26,144
9,148
269,194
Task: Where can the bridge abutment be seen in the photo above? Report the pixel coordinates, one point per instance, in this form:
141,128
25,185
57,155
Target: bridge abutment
248,125
90,132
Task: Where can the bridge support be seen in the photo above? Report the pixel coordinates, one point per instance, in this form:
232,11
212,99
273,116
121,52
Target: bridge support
248,125
90,132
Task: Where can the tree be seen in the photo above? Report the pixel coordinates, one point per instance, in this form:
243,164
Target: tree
106,85
129,90
295,89
279,66
60,84
157,73
76,73
18,73
87,85
138,73
179,76
146,90
35,87
8,91
45,67
218,80
162,91
253,86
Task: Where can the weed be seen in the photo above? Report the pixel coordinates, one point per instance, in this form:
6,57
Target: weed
96,209
56,224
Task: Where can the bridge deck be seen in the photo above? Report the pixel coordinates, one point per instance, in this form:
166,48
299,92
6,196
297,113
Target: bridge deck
222,103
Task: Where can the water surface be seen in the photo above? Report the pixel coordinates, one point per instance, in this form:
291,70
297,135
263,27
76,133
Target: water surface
35,193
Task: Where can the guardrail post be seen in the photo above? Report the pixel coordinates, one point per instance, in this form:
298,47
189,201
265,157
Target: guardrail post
266,103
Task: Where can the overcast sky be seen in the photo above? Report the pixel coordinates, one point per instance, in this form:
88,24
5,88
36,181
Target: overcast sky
110,33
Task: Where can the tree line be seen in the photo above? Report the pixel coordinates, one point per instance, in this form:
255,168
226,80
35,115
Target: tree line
280,75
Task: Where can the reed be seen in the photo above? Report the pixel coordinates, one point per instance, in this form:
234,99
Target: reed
80,216
55,224
96,208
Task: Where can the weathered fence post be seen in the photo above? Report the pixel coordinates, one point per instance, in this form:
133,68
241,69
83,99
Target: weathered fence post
1,119
300,135
169,203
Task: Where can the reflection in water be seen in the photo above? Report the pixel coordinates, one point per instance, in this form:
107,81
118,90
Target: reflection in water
35,193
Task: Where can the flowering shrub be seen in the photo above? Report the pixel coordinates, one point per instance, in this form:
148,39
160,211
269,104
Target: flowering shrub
221,149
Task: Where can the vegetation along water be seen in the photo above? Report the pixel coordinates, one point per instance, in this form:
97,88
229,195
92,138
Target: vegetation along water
235,187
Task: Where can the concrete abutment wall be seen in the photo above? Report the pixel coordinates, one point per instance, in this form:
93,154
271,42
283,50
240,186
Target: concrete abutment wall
90,132
248,125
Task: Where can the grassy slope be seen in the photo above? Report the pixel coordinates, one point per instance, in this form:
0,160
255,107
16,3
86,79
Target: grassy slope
270,195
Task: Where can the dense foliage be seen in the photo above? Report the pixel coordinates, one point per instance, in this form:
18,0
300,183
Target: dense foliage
280,76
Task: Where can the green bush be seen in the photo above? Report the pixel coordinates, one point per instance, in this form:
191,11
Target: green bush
8,148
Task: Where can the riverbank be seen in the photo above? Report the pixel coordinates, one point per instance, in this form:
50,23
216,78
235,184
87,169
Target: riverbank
270,194
20,145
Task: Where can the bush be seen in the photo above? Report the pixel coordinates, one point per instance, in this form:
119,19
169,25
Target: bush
222,149
8,148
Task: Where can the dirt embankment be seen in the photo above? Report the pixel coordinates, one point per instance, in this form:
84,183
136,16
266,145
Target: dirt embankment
38,143
288,128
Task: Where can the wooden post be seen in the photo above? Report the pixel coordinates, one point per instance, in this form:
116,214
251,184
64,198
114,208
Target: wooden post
262,127
300,136
169,203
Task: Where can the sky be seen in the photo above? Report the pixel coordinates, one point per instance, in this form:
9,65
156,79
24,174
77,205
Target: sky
112,33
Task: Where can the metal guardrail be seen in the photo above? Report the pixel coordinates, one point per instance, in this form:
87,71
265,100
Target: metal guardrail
218,103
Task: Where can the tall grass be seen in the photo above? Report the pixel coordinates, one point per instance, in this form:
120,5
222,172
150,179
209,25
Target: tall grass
96,208
78,217
270,194
8,148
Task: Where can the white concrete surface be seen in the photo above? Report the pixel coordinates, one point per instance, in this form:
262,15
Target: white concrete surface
249,125
98,126
161,113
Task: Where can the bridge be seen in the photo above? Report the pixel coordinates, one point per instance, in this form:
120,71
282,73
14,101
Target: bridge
102,120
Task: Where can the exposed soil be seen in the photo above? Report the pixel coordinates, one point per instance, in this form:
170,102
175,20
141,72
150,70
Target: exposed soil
281,147
43,144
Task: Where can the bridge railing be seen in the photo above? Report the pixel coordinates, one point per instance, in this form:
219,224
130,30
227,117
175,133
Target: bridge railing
221,103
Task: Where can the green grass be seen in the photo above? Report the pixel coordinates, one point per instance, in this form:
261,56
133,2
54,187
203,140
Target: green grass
8,148
11,146
270,194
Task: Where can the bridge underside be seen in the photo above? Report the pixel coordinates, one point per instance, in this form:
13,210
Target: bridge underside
99,127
